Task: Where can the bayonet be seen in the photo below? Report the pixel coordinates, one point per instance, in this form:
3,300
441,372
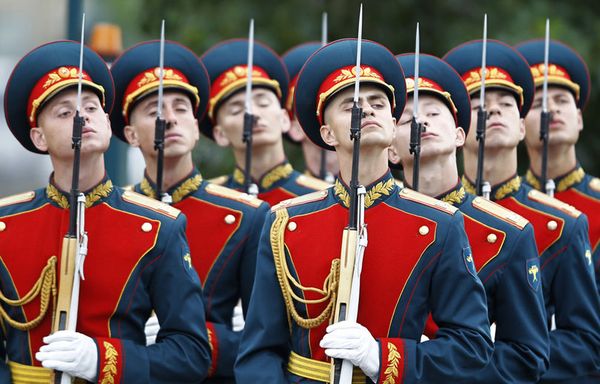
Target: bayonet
160,124
482,188
547,184
415,125
249,120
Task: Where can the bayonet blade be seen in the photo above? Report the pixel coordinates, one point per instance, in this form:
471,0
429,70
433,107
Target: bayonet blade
416,77
358,53
250,68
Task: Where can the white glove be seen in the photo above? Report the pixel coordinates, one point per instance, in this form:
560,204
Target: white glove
238,317
353,342
151,329
70,352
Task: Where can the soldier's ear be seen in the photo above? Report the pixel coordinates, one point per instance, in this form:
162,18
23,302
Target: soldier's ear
220,137
521,129
196,130
579,120
285,120
131,135
109,125
393,155
460,137
328,135
36,134
295,132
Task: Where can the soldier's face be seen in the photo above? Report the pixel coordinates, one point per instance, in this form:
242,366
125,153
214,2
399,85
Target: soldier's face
504,126
181,134
271,120
55,125
377,124
440,134
566,122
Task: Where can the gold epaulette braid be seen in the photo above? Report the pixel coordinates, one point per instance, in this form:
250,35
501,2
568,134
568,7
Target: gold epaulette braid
286,280
44,287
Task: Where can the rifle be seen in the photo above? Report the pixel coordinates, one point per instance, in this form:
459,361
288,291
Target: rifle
547,184
482,188
323,173
415,126
354,237
249,119
161,124
74,245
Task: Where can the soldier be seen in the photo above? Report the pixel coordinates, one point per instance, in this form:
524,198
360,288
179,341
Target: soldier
137,257
223,224
317,161
568,93
503,242
288,335
560,230
227,67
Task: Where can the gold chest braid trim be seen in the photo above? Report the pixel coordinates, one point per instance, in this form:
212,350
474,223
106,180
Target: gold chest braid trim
286,280
45,287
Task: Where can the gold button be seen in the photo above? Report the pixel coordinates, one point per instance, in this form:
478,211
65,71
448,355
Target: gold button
146,227
424,230
292,226
229,219
491,238
552,225
2,226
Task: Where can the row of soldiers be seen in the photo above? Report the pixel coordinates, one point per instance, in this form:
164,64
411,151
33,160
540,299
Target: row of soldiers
441,262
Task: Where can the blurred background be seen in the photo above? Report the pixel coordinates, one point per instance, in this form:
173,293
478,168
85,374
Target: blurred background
199,24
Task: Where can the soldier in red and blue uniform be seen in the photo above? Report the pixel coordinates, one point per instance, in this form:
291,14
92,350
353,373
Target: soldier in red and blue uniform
288,336
137,255
561,231
318,162
568,93
274,176
502,241
223,224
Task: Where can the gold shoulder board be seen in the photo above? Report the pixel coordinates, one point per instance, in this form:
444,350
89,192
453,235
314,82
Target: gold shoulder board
500,212
415,196
310,197
15,199
312,182
219,190
147,202
541,197
595,184
219,180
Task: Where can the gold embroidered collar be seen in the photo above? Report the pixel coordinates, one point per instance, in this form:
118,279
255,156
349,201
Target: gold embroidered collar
178,193
97,193
562,183
375,191
454,197
281,171
498,192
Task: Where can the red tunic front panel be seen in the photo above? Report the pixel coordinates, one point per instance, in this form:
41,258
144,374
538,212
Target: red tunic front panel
544,237
589,206
209,229
483,249
98,301
386,267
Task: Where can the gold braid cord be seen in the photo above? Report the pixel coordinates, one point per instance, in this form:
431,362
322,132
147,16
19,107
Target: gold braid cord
286,280
43,287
